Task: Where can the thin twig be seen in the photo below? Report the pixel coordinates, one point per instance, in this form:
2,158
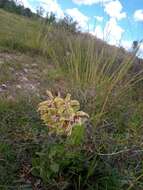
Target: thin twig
120,152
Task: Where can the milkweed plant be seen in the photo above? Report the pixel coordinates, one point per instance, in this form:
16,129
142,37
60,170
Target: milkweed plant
61,115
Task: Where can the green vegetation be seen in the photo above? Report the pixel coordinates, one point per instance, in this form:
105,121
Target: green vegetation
12,6
105,153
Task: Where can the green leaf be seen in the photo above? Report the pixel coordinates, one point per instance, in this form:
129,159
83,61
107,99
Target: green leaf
55,167
77,135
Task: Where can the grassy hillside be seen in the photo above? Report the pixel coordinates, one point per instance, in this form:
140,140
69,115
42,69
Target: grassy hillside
107,82
18,32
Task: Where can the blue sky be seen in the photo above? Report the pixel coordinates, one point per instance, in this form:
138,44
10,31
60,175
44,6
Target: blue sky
116,21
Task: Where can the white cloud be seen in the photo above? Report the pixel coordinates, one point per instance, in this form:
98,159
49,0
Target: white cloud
52,6
140,53
114,10
126,44
112,7
98,32
138,15
79,17
99,18
89,2
112,33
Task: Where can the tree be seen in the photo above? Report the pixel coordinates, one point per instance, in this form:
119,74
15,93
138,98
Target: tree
27,12
135,45
69,24
51,18
40,11
2,3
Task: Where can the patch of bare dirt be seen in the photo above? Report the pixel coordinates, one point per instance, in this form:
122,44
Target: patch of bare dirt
22,68
28,75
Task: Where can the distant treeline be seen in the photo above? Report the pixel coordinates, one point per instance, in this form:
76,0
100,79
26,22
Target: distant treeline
16,7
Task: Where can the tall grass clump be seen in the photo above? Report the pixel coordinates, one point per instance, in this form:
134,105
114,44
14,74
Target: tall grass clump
100,75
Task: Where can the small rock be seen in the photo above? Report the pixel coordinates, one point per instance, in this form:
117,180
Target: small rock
25,70
18,86
24,79
4,86
32,86
34,65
